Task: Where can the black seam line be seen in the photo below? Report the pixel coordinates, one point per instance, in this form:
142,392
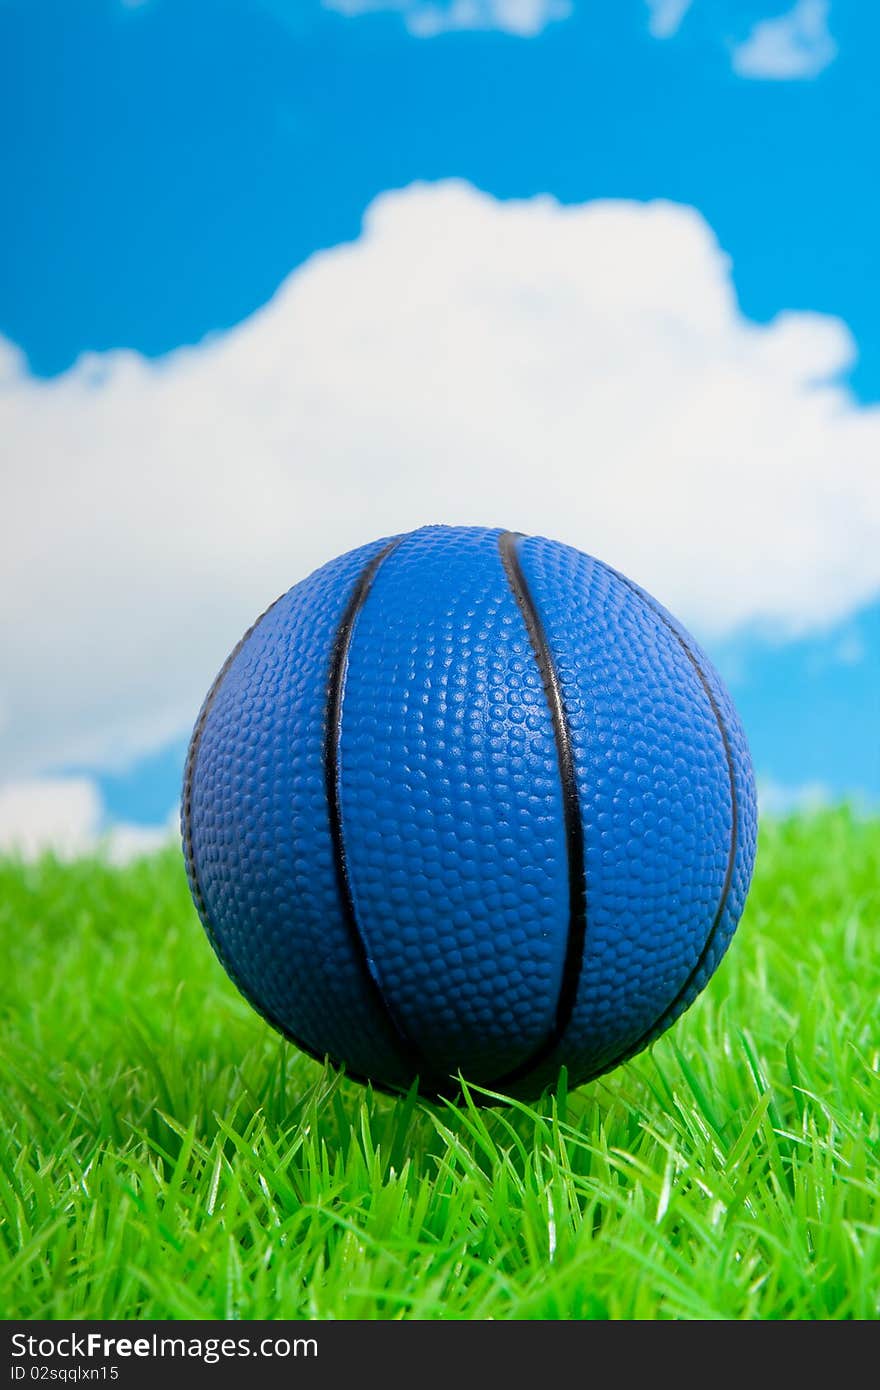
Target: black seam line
406,1047
438,1089
508,545
659,1023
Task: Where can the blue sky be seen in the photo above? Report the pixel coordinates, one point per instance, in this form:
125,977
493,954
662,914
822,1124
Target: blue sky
169,165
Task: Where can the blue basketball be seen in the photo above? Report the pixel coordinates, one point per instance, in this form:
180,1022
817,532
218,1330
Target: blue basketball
466,801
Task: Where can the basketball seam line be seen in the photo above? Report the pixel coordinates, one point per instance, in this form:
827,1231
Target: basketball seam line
201,905
658,1025
508,545
407,1048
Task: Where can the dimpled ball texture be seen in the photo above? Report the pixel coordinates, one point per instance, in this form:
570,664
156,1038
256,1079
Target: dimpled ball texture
468,802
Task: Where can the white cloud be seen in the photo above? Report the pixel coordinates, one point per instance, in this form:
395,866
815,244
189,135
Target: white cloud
121,842
58,813
426,18
794,45
782,799
65,816
785,798
666,16
583,371
790,798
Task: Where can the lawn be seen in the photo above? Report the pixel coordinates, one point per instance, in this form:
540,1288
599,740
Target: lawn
164,1154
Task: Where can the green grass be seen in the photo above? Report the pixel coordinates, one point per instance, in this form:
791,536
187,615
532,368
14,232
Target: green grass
164,1154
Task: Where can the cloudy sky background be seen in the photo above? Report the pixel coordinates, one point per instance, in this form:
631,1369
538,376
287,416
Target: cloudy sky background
282,278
